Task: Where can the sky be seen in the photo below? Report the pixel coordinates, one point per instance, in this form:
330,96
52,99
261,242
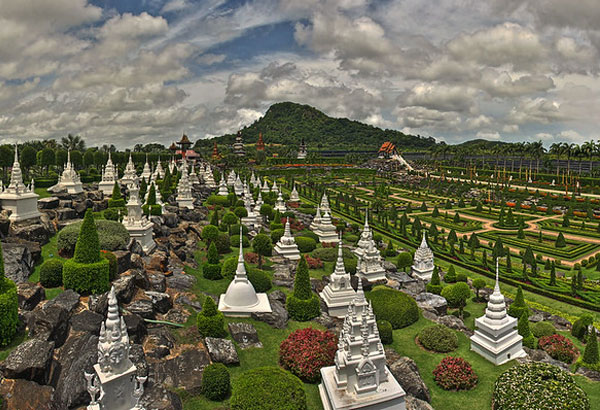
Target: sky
139,71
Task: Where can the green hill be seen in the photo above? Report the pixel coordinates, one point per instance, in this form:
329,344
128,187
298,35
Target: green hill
288,123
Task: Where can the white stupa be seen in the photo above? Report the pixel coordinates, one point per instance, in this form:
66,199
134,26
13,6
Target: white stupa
280,204
109,177
253,219
366,238
338,294
286,246
370,264
496,337
241,300
222,187
422,267
69,180
194,179
259,200
172,166
246,193
231,178
253,180
316,221
325,204
360,378
238,186
137,224
325,230
274,188
184,189
114,384
17,198
265,188
294,197
209,179
147,171
129,175
159,171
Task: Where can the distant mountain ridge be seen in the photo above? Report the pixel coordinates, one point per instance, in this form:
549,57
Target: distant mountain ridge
288,123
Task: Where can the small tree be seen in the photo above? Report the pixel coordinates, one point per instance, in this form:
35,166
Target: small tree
560,241
212,256
518,307
553,274
479,284
214,218
590,354
263,246
404,260
266,211
523,329
210,320
302,304
230,219
457,296
435,286
209,234
450,276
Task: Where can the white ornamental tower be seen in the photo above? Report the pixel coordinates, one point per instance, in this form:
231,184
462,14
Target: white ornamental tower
370,264
280,204
18,198
138,225
496,337
325,230
360,378
109,176
147,171
184,189
69,180
294,197
338,294
422,267
129,175
286,246
366,238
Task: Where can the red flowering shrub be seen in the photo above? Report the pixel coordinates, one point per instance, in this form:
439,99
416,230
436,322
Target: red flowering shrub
251,257
455,373
314,263
329,244
559,348
305,351
295,225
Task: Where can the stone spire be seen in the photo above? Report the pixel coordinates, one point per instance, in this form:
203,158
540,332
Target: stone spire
423,266
294,197
16,185
496,307
113,344
184,188
147,172
286,246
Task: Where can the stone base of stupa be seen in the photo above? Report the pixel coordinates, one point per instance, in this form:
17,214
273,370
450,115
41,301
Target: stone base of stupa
263,306
337,301
71,188
118,389
106,187
328,235
424,275
142,234
185,203
22,207
497,344
290,252
373,276
389,395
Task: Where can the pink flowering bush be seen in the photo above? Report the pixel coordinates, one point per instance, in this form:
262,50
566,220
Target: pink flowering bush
455,373
306,351
251,257
559,348
314,263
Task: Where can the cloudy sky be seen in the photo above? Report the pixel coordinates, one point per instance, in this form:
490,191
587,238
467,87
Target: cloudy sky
126,72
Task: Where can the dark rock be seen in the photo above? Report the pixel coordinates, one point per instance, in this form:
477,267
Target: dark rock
136,261
221,350
406,372
161,301
136,328
25,394
78,355
51,202
413,288
184,370
124,288
278,318
158,261
98,303
329,322
95,195
190,215
159,343
389,266
66,214
30,295
138,358
277,296
181,281
157,281
49,323
157,397
4,225
123,260
18,262
432,302
185,300
177,315
589,373
68,300
171,219
30,361
34,232
142,307
560,323
244,334
82,206
412,403
367,285
135,247
87,321
538,355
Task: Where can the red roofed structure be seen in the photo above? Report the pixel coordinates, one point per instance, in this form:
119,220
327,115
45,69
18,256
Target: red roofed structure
260,145
387,150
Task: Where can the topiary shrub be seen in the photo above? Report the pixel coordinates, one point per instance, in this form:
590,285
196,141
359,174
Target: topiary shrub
541,329
276,235
386,333
259,279
222,243
518,306
461,277
87,271
523,329
455,373
235,241
559,348
9,306
303,304
229,267
305,244
113,266
450,276
51,273
268,388
210,321
309,234
306,351
590,354
580,326
216,382
111,234
434,286
438,338
394,306
457,295
533,386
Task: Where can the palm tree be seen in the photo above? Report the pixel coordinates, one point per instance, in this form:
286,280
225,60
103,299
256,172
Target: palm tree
589,148
521,148
558,150
579,153
73,143
568,149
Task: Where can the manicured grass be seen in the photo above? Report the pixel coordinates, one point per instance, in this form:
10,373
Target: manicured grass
49,250
42,192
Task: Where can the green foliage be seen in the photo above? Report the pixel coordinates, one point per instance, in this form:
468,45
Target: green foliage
210,321
229,218
113,266
302,304
87,248
9,307
386,332
457,295
311,235
229,267
394,306
450,276
478,284
216,382
404,261
235,241
580,326
541,329
223,243
276,235
434,286
302,289
51,273
111,234
240,212
259,279
590,354
268,388
438,338
210,233
212,256
151,195
523,329
87,278
560,241
305,244
262,246
462,277
518,306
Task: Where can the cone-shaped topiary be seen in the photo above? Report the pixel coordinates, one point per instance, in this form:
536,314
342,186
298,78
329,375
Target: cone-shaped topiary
302,304
213,255
116,200
523,329
87,248
590,354
9,307
151,195
435,286
560,241
302,288
210,320
116,192
517,308
450,276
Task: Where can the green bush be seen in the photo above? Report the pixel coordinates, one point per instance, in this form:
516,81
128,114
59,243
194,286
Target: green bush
275,226
223,243
541,329
450,276
434,286
111,234
590,354
268,388
580,326
303,304
235,230
276,235
112,214
310,234
216,382
523,329
9,307
259,279
518,306
461,277
210,321
154,210
386,333
113,266
229,267
218,200
457,295
235,241
351,238
212,271
51,273
305,244
394,306
438,338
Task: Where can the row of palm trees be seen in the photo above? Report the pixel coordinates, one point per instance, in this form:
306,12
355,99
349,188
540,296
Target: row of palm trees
517,152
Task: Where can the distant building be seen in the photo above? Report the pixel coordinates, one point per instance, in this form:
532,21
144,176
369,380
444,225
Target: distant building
387,150
238,145
302,152
215,153
260,145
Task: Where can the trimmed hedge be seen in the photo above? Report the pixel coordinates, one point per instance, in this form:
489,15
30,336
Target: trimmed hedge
51,273
386,333
234,241
9,308
268,388
212,271
113,266
111,234
309,234
87,277
259,279
305,244
438,338
541,329
303,310
216,382
210,321
394,306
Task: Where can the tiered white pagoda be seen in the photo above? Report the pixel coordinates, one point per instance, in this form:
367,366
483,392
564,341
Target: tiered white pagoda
129,175
253,219
222,187
496,337
172,166
241,300
325,204
422,267
110,175
136,223
253,180
316,221
209,179
280,204
325,229
231,178
259,201
238,186
286,246
114,384
294,197
246,193
274,188
338,294
20,200
184,189
159,171
360,378
147,171
366,238
265,188
69,180
370,264
194,180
